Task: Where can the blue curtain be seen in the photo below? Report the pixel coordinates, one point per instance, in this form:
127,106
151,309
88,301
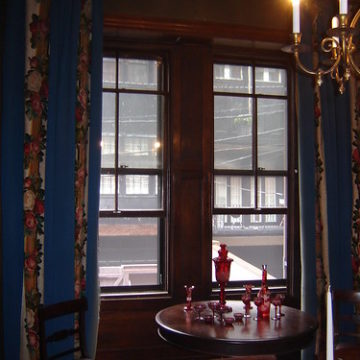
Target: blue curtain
94,176
335,118
306,134
337,138
12,150
60,153
59,192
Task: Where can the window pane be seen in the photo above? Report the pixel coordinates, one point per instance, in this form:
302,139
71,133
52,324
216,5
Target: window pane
272,134
140,192
233,192
107,192
140,74
270,81
233,133
129,251
272,192
250,245
108,131
140,131
233,78
109,74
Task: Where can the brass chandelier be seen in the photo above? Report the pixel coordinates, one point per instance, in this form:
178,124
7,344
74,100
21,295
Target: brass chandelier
338,44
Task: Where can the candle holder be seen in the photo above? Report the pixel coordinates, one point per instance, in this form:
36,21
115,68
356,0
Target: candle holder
338,44
222,270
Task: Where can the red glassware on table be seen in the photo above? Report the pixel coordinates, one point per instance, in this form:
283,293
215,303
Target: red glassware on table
222,270
276,301
258,301
188,289
246,298
264,293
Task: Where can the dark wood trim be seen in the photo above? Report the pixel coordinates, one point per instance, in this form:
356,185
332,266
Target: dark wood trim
2,31
204,30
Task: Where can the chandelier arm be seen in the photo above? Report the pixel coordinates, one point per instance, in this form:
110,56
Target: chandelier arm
355,19
353,23
319,71
355,68
301,66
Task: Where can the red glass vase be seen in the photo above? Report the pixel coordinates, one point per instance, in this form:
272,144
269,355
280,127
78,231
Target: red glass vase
222,270
264,293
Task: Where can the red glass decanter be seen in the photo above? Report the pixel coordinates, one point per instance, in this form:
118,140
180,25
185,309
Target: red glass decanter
264,293
222,270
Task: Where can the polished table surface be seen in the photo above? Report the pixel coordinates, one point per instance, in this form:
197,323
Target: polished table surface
294,331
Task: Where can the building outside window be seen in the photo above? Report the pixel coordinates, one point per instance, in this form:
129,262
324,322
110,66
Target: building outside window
251,170
251,173
132,189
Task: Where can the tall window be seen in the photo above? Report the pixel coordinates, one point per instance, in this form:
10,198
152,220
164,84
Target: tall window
132,189
250,207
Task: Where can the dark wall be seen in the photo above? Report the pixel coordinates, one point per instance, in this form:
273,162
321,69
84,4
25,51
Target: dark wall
270,14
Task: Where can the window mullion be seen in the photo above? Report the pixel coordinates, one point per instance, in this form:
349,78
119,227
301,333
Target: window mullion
255,140
116,165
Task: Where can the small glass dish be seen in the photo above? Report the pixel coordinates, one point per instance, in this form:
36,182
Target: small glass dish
238,316
228,320
208,318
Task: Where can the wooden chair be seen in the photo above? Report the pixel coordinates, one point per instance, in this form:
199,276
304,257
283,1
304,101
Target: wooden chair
57,310
346,324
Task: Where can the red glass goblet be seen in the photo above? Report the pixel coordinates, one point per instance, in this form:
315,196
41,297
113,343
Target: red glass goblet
199,308
276,301
212,306
188,289
221,310
246,298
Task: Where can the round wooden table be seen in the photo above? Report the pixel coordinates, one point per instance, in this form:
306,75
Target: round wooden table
294,331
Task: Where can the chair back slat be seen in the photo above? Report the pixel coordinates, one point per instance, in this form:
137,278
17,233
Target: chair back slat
62,309
346,317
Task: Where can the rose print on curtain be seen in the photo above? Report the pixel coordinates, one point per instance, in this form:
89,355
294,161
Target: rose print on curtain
355,242
321,229
35,190
36,102
81,138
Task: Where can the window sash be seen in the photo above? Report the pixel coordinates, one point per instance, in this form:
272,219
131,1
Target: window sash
263,209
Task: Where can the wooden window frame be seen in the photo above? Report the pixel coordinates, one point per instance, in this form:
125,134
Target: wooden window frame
118,170
282,285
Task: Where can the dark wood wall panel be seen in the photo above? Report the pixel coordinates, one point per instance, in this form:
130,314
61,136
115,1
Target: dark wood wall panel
127,326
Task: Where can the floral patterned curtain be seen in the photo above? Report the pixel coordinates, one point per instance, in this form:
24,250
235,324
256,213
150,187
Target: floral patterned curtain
36,111
355,240
58,252
327,245
321,235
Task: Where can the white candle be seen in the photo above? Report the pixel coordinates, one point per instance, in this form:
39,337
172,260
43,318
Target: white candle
296,16
329,327
343,7
334,25
334,22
